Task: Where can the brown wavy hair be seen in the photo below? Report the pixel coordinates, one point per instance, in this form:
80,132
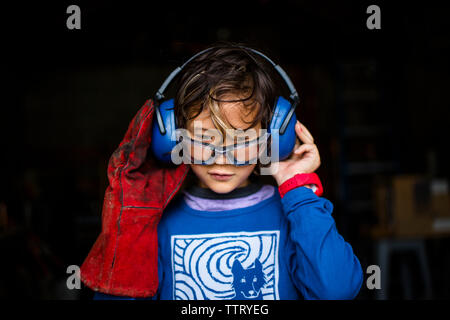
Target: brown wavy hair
225,69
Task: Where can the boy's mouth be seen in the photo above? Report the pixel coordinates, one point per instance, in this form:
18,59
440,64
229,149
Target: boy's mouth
221,176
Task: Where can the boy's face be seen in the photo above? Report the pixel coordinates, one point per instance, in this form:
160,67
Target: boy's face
222,177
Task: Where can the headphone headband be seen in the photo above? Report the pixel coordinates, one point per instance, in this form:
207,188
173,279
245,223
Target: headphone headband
294,95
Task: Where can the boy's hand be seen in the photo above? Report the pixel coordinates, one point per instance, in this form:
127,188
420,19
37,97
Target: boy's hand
304,159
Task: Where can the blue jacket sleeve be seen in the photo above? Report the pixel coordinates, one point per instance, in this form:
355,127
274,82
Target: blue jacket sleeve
322,263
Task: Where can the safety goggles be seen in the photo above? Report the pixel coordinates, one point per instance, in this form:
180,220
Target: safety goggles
238,154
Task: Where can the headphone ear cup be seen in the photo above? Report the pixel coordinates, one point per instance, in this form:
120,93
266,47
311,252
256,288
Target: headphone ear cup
286,141
162,144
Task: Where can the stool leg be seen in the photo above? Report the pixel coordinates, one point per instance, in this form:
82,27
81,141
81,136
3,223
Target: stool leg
425,269
383,253
406,279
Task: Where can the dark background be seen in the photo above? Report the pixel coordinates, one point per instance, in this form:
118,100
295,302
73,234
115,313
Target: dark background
370,96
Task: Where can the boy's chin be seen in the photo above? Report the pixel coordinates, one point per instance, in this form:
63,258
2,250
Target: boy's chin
222,187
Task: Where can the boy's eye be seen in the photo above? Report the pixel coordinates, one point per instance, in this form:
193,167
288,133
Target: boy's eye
243,280
255,279
204,138
241,138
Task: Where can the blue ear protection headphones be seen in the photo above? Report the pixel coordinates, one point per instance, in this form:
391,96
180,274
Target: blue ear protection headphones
282,122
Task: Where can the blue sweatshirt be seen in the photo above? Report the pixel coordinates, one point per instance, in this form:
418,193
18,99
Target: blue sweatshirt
284,249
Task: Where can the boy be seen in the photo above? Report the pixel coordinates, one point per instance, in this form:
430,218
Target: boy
226,236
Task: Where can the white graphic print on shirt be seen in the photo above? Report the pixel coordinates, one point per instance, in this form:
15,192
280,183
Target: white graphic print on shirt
240,265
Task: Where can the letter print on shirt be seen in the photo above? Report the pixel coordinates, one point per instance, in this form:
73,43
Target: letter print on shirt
240,265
